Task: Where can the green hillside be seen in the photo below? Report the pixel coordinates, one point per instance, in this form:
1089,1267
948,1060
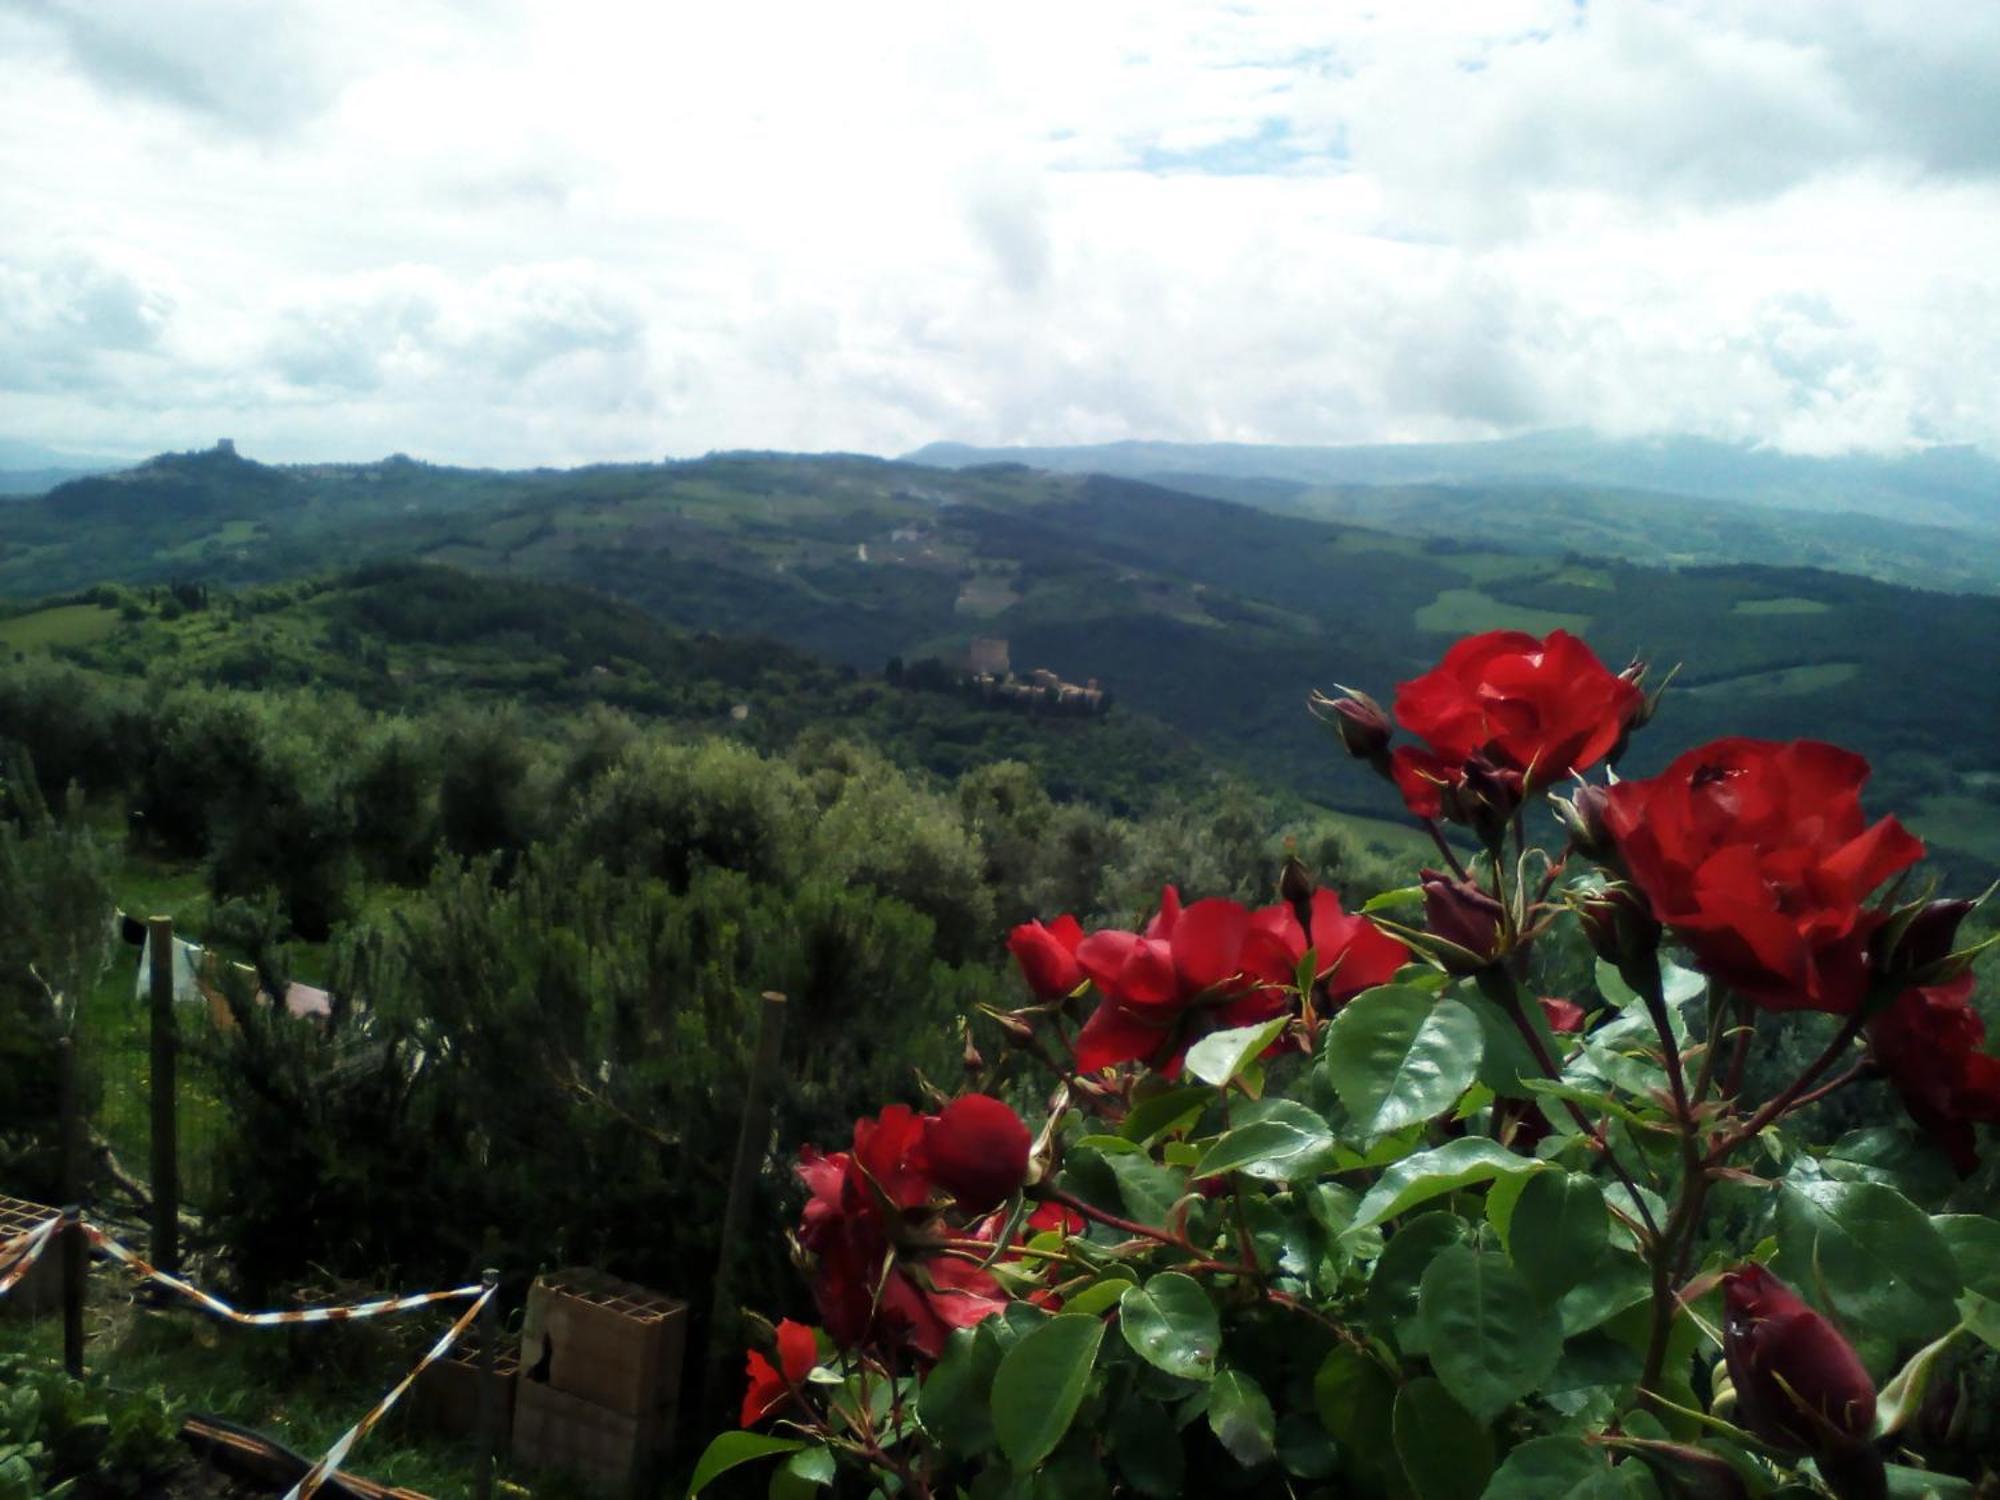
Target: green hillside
1213,618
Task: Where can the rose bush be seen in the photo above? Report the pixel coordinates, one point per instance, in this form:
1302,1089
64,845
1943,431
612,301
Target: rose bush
1297,1200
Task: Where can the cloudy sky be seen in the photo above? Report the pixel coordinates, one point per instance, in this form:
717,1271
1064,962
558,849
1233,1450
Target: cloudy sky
560,230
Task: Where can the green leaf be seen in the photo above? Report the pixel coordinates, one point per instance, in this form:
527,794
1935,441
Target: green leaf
1220,1056
1240,1416
1147,1446
1546,1468
1165,1113
1882,1264
1886,1154
954,1403
805,1472
1407,895
1925,1484
1446,1452
1392,1307
1620,1281
1099,1296
1974,1242
1148,1190
732,1448
1981,1316
1904,1394
1356,1400
1171,1324
1396,1056
1491,1338
1558,1231
1444,1169
1040,1384
1288,1141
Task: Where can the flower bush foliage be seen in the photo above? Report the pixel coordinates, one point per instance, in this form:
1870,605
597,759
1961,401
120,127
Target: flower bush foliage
1313,1202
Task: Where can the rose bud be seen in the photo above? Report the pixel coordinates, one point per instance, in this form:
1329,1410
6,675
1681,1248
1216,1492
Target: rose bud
1047,956
1467,920
1582,818
1799,1385
1485,797
977,1150
1618,924
1363,727
1914,948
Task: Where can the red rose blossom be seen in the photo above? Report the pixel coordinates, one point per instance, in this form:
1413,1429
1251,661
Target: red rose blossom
1565,1017
1047,956
1757,855
1932,1044
1799,1385
858,1209
1545,709
771,1386
1214,965
977,1150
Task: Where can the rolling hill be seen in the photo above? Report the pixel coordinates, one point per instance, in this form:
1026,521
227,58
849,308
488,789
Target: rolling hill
1210,617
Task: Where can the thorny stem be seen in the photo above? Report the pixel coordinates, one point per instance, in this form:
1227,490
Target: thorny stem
1790,1097
1510,1001
1672,1249
1444,848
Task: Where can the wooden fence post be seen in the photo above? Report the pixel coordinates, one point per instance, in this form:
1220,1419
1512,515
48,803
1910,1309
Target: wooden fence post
166,1182
75,1262
751,1137
70,1246
489,1397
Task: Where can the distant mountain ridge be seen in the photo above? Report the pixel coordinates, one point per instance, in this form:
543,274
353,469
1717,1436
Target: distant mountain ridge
1944,486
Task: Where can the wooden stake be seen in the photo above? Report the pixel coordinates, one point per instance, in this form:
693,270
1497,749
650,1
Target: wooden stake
751,1136
166,1138
489,1396
75,1263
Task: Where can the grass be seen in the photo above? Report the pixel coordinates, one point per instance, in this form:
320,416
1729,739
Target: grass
1464,611
1785,682
65,625
1959,822
301,1387
1784,604
1492,567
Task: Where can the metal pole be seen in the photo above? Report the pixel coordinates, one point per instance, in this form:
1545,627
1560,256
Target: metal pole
751,1136
166,1182
489,1395
74,1264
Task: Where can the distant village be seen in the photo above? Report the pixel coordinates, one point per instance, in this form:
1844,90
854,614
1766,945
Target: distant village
988,676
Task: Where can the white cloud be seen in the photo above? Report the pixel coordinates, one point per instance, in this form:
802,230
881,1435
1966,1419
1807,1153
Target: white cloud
511,230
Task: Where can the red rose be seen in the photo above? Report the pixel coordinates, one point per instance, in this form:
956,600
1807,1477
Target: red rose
771,1387
1350,953
1055,1218
1932,1044
1204,968
854,1225
1799,1385
977,1150
1565,1017
1758,856
1545,708
1047,956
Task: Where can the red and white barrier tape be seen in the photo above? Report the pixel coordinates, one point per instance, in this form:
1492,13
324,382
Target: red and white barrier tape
337,1454
222,1309
28,1248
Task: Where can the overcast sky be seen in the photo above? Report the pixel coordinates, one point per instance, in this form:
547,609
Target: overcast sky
561,230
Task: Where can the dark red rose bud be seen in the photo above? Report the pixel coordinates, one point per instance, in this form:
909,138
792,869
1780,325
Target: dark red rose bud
1363,727
977,1150
1915,947
1618,925
1799,1385
1582,817
1466,918
1485,797
1687,1472
1047,956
